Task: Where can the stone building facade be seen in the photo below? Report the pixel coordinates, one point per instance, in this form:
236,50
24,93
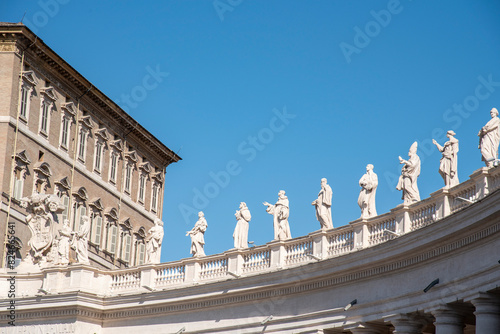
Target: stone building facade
61,135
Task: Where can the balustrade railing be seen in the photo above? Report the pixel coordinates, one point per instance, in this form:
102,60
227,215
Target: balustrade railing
280,255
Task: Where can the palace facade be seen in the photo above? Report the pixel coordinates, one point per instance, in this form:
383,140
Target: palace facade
61,135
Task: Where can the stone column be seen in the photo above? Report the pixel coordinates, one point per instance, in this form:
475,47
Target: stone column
407,324
448,321
487,313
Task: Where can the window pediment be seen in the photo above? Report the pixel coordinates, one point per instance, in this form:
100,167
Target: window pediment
23,157
112,213
132,156
103,134
117,144
43,168
50,93
30,77
63,183
86,122
82,194
141,232
70,108
158,176
126,224
146,167
97,204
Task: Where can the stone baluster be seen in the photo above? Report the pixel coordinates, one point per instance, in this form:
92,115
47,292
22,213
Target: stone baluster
487,313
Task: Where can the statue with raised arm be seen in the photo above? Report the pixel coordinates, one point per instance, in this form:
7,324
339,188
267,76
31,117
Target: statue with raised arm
197,235
80,241
324,206
280,212
448,164
240,234
409,174
489,138
366,198
154,239
64,241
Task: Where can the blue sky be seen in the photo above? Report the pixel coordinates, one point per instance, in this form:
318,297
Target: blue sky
258,96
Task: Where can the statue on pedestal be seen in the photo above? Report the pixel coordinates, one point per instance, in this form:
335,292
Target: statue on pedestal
80,241
324,206
280,212
409,174
153,242
448,164
65,234
366,198
489,138
197,235
240,234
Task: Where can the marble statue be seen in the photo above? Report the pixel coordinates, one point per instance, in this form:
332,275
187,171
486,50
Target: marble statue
153,242
324,206
64,241
448,164
43,226
197,235
366,198
489,138
240,234
80,241
280,212
409,174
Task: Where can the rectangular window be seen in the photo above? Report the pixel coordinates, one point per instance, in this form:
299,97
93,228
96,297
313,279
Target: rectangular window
44,123
127,242
98,230
65,202
98,155
114,163
18,187
142,185
128,176
24,102
142,251
112,240
65,132
154,198
83,142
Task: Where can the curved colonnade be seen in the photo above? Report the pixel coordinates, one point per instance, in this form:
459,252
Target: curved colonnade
365,277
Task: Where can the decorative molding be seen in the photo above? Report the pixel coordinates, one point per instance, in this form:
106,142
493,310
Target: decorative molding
82,194
141,232
126,224
30,77
112,213
159,177
70,108
23,157
132,156
117,144
86,122
146,167
50,93
63,183
103,134
97,204
43,168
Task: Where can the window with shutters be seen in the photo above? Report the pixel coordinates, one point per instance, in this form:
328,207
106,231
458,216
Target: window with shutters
128,177
98,156
65,127
44,118
141,253
113,231
25,101
154,198
142,188
96,239
127,242
65,203
82,144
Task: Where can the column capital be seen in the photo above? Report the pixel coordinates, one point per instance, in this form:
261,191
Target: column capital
486,303
408,323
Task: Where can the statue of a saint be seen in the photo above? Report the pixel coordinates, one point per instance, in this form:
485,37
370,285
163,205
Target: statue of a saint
64,241
80,241
153,242
366,199
489,138
409,174
280,212
324,206
240,234
448,164
197,235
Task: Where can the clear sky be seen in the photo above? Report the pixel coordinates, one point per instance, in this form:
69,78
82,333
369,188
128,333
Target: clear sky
258,96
